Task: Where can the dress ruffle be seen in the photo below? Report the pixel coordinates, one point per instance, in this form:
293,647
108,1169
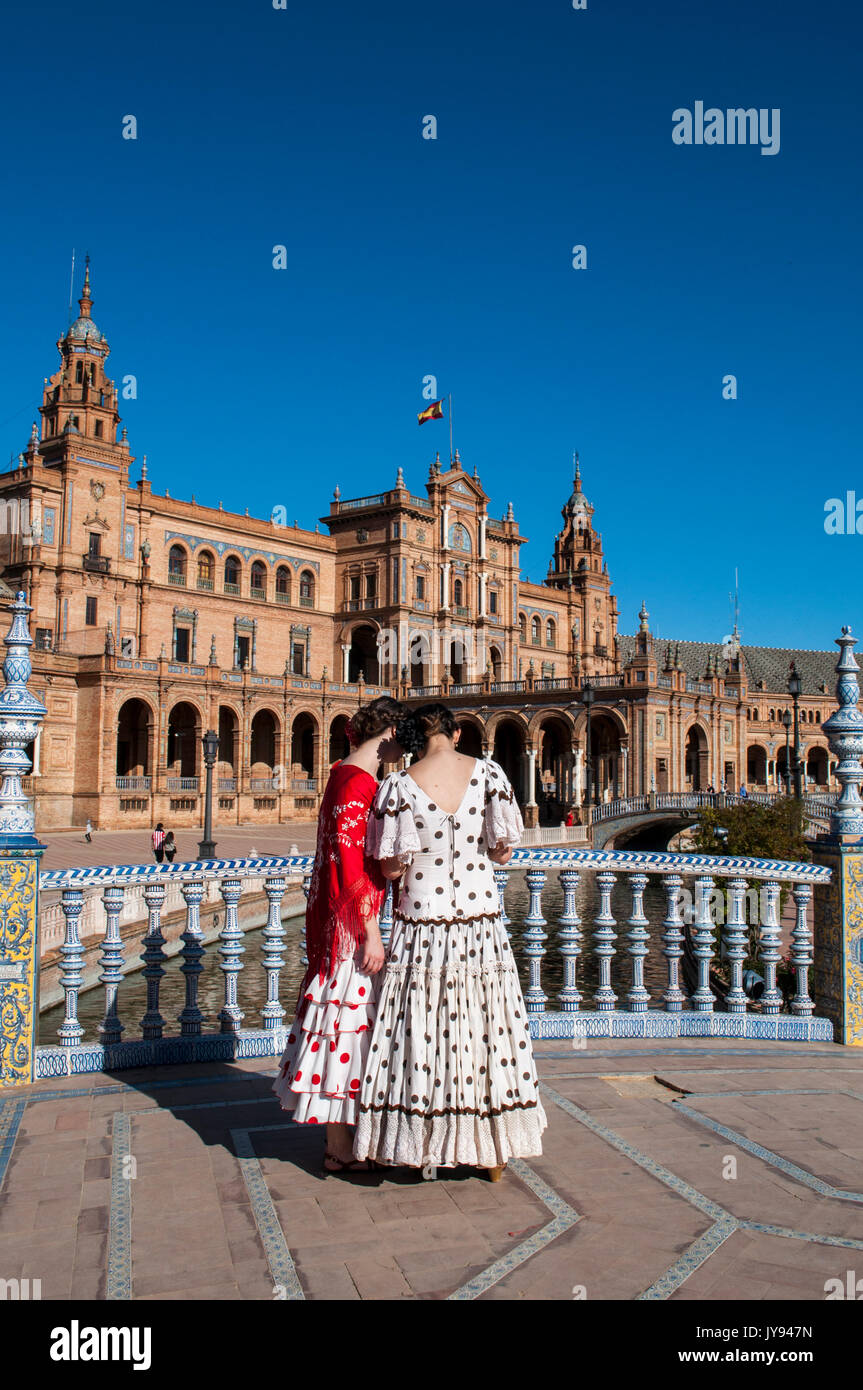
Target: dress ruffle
391,832
322,1067
503,820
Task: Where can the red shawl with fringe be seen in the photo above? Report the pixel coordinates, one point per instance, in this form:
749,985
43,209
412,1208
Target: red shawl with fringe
347,888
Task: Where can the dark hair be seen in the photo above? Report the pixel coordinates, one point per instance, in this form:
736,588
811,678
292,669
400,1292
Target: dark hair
375,717
416,729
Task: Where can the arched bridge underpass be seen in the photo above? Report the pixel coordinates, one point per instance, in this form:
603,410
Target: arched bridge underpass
623,823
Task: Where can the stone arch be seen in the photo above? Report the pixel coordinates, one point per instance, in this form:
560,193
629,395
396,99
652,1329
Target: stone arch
696,757
472,735
756,765
265,738
817,765
339,745
135,723
229,741
507,736
551,733
363,656
305,731
184,739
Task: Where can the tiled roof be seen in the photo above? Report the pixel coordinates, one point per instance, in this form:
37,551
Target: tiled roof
767,664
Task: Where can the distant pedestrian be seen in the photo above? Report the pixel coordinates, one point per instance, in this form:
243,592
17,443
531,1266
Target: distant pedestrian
88,833
743,792
570,819
170,847
159,842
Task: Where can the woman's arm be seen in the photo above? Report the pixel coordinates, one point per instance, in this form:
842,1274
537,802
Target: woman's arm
392,868
500,854
373,949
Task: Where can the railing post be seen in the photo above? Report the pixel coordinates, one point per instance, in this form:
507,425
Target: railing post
501,878
638,998
20,852
801,951
190,1017
570,942
111,961
231,1016
703,999
771,999
70,1031
735,945
605,997
386,922
274,945
672,937
307,883
153,955
535,997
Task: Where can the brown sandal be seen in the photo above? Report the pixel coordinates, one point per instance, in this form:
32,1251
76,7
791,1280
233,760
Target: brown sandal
495,1174
346,1165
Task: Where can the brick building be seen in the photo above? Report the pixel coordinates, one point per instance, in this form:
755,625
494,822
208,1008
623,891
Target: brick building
156,618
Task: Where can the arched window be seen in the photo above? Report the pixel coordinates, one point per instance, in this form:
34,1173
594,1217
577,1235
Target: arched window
176,565
535,631
206,570
307,589
550,638
283,584
458,593
232,575
79,373
522,627
259,579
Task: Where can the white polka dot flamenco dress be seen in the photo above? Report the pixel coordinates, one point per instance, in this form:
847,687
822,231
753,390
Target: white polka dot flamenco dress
449,1076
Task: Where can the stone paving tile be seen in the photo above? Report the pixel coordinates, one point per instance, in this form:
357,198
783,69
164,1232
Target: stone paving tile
378,1278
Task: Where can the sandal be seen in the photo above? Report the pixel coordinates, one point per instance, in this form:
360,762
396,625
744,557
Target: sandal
346,1165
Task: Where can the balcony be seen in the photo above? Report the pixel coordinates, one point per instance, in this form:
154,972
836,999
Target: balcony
177,578
306,601
206,584
265,784
133,784
226,784
600,651
181,784
97,564
231,588
461,610
259,594
282,598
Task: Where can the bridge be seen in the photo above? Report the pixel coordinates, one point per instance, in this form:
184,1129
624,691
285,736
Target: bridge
617,823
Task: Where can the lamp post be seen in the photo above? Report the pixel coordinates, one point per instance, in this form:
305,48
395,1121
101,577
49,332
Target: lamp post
794,688
786,720
588,695
210,742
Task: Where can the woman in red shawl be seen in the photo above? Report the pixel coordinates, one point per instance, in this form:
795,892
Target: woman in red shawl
323,1063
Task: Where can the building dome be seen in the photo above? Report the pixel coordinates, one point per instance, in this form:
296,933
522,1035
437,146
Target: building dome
85,330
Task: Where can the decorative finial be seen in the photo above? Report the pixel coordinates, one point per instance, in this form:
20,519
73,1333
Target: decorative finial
337,494
643,617
457,459
20,716
844,731
577,478
510,514
287,670
163,655
124,435
400,478
144,469
213,659
34,438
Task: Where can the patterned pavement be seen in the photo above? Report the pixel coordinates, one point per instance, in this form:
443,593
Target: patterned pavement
679,1170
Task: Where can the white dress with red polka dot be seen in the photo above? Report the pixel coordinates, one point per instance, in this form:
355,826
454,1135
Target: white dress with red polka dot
450,1076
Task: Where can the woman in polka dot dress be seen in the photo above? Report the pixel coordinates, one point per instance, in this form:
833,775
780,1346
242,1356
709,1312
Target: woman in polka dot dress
322,1065
450,1077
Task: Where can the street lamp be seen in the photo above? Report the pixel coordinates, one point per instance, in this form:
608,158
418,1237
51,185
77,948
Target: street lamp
794,687
210,742
786,720
588,695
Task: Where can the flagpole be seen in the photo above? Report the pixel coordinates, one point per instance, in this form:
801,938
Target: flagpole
450,429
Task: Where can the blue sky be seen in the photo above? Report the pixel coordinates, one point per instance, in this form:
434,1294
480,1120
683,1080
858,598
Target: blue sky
409,257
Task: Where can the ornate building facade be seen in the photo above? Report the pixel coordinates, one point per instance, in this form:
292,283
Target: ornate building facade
156,619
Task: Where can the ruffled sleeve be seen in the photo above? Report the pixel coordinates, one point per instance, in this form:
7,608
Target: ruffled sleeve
503,822
392,832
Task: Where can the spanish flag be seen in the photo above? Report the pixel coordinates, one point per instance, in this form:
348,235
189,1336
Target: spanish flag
434,412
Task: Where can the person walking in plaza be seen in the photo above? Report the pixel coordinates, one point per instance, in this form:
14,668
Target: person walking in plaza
88,832
323,1063
450,1077
158,842
170,847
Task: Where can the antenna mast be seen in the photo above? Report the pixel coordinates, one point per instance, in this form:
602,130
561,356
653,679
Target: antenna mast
71,285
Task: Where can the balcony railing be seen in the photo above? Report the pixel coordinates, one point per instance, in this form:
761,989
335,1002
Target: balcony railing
307,601
304,784
255,592
97,564
599,986
226,784
282,598
231,588
265,784
133,784
206,584
178,578
181,784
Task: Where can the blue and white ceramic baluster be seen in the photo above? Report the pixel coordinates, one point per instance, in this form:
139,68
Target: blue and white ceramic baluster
153,956
307,883
844,731
736,945
570,942
190,1017
771,999
637,999
801,951
605,997
703,998
231,1016
386,922
274,947
672,943
70,1031
535,997
501,878
111,961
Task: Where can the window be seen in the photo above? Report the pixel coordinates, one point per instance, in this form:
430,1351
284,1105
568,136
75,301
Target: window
259,578
458,593
492,601
550,636
307,589
535,631
421,587
243,652
44,638
94,545
522,627
181,644
177,562
232,575
79,373
97,429
90,615
298,658
355,587
283,583
371,585
205,570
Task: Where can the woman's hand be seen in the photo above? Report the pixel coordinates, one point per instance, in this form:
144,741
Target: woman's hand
373,950
392,868
500,854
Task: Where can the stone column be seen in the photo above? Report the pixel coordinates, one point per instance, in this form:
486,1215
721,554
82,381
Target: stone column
531,810
20,852
579,775
346,658
838,963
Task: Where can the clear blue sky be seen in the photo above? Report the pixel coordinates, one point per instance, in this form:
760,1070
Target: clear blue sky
452,257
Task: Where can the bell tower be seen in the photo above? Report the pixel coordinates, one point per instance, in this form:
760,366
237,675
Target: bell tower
577,567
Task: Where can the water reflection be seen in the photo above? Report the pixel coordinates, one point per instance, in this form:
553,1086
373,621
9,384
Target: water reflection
252,991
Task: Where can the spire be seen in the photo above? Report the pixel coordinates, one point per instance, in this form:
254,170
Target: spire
643,617
576,482
86,299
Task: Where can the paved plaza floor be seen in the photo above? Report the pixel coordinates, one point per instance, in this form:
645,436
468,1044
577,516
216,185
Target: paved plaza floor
66,849
689,1169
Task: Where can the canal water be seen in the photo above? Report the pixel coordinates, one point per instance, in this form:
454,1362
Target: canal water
252,989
